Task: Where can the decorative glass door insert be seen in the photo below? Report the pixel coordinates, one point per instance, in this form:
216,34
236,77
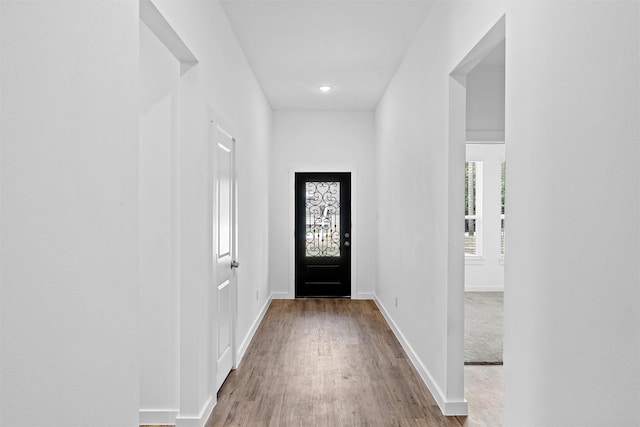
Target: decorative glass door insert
322,210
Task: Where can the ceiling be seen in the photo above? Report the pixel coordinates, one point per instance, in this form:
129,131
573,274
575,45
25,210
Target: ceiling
295,46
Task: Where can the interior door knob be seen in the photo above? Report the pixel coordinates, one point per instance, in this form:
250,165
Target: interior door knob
235,264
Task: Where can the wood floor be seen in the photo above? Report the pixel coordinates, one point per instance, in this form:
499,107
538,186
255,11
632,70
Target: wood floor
327,362
483,390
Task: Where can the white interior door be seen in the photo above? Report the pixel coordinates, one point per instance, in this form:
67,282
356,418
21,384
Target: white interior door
224,245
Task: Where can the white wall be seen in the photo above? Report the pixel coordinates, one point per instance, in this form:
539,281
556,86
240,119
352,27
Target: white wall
314,141
70,212
69,219
572,323
486,272
566,116
222,81
159,307
486,103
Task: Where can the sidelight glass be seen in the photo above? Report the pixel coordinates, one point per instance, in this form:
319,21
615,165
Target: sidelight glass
322,210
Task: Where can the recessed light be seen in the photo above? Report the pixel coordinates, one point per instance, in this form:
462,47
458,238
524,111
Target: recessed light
325,88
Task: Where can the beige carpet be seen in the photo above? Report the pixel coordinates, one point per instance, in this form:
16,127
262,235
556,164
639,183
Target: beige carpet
483,328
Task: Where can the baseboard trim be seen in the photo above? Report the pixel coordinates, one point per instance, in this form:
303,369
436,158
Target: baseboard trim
281,295
359,295
448,408
364,295
252,331
484,289
158,416
453,409
201,419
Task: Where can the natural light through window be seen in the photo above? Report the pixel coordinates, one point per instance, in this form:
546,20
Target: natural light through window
502,187
472,214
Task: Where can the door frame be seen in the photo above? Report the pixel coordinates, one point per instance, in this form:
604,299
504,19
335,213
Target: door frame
291,238
455,402
215,119
344,258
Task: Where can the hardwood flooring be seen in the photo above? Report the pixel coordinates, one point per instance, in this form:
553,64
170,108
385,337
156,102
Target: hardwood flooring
483,391
326,362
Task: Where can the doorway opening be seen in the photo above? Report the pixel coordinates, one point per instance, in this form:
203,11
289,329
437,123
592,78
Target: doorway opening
484,252
484,210
477,153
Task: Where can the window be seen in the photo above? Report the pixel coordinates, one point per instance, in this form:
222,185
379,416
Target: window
473,209
502,186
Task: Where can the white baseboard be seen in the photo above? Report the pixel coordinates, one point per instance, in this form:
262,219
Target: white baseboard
158,416
484,289
199,420
364,295
448,408
287,295
281,295
359,295
452,409
252,331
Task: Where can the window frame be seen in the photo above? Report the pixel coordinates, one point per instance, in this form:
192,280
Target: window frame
477,216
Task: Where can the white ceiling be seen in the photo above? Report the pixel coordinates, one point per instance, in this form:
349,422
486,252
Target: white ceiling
295,46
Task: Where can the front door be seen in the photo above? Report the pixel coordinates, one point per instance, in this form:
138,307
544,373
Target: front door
323,234
224,246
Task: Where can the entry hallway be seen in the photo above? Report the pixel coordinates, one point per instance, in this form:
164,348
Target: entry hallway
329,362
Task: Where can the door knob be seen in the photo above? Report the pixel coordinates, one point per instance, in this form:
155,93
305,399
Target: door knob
235,264
347,243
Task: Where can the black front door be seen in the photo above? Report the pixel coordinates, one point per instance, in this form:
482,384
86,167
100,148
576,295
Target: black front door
323,235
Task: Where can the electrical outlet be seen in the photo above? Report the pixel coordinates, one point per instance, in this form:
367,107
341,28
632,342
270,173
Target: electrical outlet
396,302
